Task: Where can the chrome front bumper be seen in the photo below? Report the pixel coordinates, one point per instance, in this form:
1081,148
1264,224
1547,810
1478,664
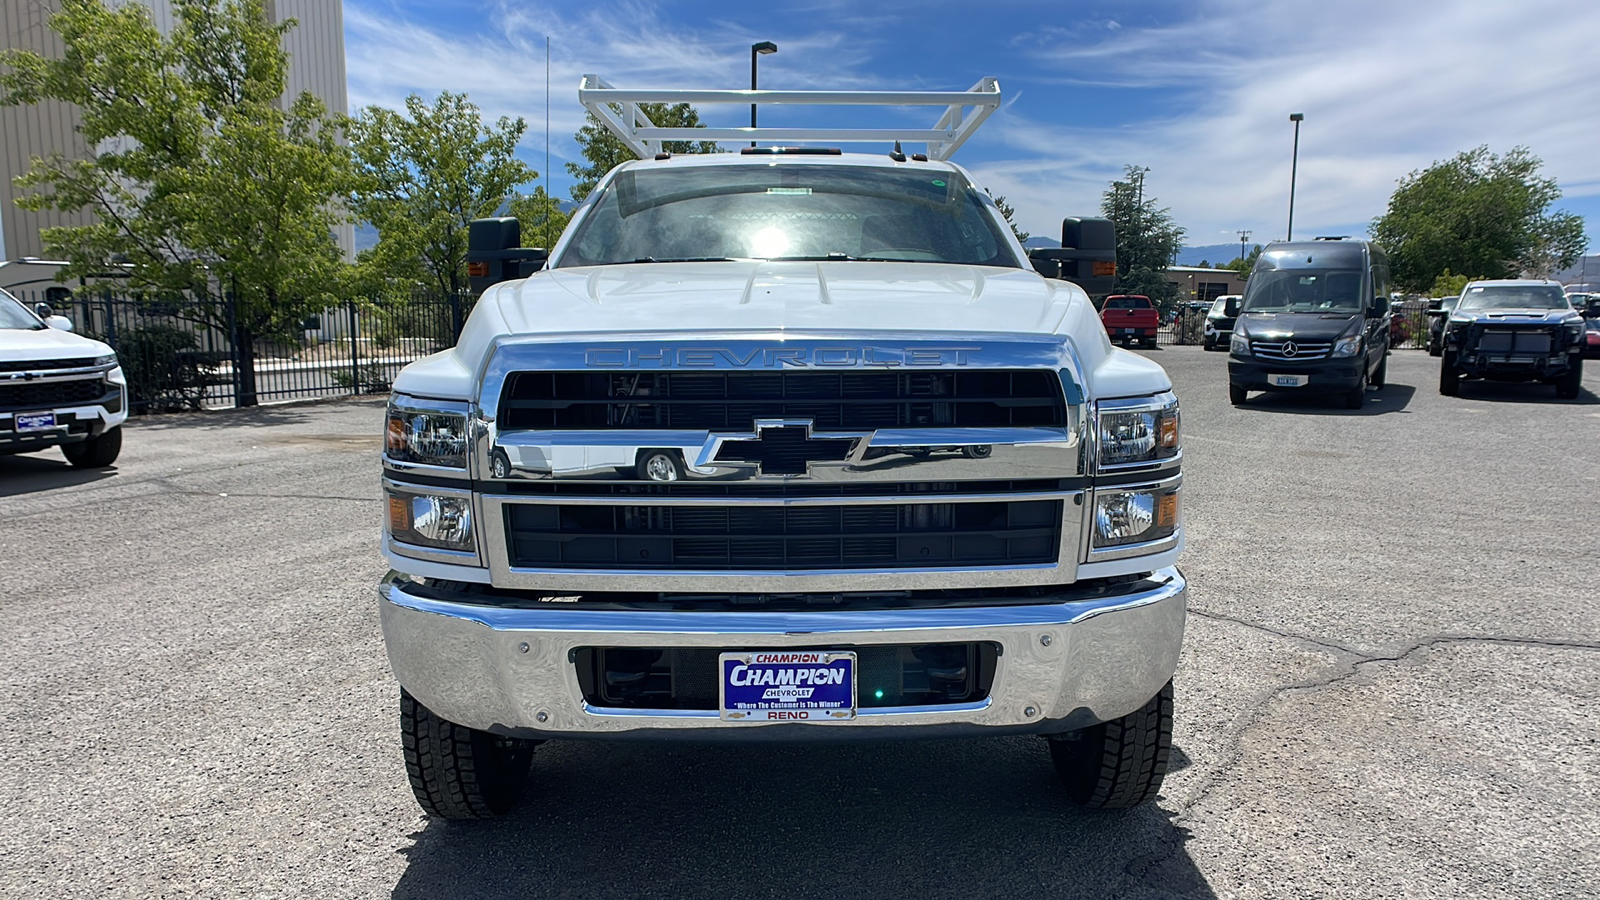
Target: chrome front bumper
1063,665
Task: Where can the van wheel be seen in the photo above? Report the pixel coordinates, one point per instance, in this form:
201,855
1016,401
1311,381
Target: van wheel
458,772
1121,763
1237,395
1382,375
96,452
1357,398
1568,385
1449,376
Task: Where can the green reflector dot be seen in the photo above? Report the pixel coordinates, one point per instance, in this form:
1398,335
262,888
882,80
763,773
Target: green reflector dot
880,695
938,184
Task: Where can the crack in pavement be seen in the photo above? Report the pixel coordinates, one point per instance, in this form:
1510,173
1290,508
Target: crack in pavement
1340,671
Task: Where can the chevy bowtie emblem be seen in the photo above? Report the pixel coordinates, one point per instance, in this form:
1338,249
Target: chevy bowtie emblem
1289,349
785,447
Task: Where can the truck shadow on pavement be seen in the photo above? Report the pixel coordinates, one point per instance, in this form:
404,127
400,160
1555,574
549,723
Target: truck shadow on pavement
1392,398
1522,392
982,818
43,471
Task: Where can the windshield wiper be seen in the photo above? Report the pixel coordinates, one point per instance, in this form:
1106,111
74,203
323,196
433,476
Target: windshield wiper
673,259
843,257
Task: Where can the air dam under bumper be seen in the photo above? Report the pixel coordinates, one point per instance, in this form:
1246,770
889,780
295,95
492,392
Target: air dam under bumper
1063,665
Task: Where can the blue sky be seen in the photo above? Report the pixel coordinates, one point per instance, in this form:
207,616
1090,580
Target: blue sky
1198,92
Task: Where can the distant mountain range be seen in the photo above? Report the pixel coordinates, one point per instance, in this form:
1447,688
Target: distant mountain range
1213,254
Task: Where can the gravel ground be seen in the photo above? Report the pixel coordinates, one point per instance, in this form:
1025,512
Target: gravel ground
1387,688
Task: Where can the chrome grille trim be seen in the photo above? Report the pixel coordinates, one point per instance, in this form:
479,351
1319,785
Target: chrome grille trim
1303,349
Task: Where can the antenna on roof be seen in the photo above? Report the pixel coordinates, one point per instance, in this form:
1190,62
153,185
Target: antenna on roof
964,112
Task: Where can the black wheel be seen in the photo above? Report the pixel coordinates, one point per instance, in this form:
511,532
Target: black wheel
499,463
1449,376
458,772
1435,349
1120,763
1357,397
1208,343
1568,385
1380,377
977,451
658,465
1236,395
95,452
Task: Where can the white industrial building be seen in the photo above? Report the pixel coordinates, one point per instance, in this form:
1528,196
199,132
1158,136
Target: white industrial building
316,64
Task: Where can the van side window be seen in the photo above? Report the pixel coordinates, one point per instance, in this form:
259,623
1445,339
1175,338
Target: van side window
1380,281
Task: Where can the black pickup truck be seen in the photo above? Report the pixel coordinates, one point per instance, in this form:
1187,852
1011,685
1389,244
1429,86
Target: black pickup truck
1514,330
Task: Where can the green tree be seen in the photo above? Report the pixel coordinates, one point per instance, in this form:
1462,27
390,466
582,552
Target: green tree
1244,264
1477,212
1008,211
1447,285
199,178
423,175
542,217
604,151
1147,239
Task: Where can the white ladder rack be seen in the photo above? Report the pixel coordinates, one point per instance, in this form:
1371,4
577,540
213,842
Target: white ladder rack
964,112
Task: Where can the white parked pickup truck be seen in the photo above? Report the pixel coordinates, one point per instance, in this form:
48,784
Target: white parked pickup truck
783,444
58,389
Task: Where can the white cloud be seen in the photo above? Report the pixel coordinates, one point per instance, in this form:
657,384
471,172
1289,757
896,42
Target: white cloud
1386,89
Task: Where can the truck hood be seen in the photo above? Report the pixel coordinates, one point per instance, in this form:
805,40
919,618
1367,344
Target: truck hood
778,296
1514,316
1299,326
48,343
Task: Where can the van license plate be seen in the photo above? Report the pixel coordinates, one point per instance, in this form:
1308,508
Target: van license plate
1290,380
787,686
1130,331
36,421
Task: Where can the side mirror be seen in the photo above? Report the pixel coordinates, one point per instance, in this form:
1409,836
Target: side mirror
495,253
1592,311
60,323
1087,256
43,310
1230,307
1378,308
1436,305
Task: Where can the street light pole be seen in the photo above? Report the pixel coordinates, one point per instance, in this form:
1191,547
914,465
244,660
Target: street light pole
1294,165
756,52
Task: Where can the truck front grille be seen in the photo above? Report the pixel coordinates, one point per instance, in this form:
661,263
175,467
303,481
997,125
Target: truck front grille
40,365
1291,349
1514,341
795,538
17,395
831,400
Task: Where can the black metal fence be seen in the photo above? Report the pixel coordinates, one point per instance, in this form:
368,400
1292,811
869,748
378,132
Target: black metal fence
179,354
1408,326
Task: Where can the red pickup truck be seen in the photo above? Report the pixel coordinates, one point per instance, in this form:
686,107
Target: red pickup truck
1129,318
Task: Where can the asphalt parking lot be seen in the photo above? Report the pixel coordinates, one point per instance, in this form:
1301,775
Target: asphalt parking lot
1388,687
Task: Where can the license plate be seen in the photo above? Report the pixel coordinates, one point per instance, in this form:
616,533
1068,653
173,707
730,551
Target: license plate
1290,380
787,686
36,421
1129,330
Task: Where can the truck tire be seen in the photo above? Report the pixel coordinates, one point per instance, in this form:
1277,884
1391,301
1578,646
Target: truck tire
1237,395
1449,376
458,772
1568,385
1121,763
96,452
657,465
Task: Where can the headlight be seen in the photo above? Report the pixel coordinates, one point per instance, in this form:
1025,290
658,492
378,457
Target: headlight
430,436
430,520
1134,517
1346,346
1147,433
1239,344
110,359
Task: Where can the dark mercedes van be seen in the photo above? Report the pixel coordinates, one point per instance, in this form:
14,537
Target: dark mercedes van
1314,319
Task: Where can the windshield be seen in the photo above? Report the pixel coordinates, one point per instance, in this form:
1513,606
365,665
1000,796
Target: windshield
1509,296
1304,290
798,212
1127,303
14,315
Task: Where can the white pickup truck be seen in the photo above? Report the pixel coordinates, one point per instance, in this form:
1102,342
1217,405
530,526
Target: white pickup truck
784,443
58,389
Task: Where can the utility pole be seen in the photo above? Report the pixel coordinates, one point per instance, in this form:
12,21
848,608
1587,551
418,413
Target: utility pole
1244,235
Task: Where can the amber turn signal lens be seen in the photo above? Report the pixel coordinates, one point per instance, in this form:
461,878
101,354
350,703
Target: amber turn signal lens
1169,430
399,515
1167,512
477,270
1105,269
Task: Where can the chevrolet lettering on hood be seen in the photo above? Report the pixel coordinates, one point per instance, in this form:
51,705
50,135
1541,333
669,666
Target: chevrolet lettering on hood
774,357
